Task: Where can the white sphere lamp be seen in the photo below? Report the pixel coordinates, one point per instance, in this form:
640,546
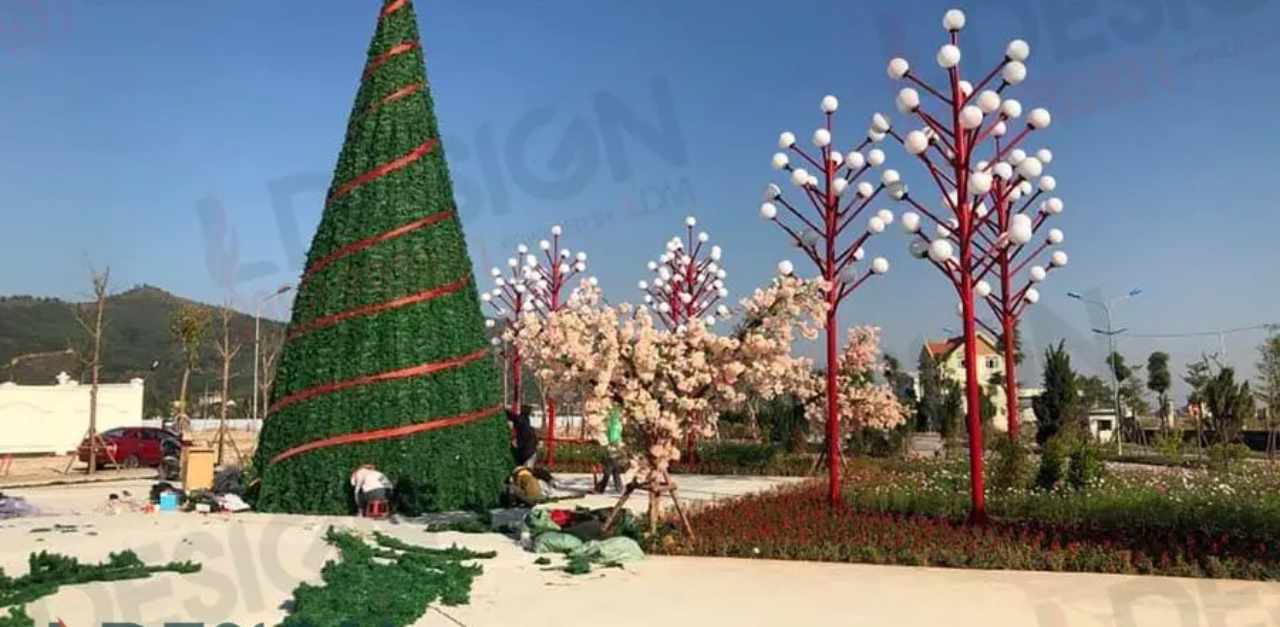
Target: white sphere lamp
948,56
786,268
879,265
1014,72
970,117
918,249
989,101
786,140
1011,109
830,104
1030,168
979,183
1047,182
1020,229
768,211
1056,236
1053,206
854,160
916,142
1039,119
875,225
1038,274
1018,50
1032,296
908,101
982,289
1058,259
898,68
780,161
911,222
953,20
822,138
940,250
799,177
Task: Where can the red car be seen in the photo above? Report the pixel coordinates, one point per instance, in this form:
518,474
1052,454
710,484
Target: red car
134,447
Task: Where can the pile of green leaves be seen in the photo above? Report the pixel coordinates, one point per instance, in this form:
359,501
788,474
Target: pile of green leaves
388,583
49,571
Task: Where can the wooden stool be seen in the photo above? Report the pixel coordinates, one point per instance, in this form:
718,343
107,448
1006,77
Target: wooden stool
376,509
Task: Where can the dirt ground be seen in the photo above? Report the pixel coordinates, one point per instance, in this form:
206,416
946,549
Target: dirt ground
55,468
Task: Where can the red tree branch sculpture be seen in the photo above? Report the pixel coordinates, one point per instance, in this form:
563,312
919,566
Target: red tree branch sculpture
837,197
533,285
969,239
688,284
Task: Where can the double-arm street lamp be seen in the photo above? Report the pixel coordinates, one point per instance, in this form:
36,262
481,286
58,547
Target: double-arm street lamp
1111,332
257,342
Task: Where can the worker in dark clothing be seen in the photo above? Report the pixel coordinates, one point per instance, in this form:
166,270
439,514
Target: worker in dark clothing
526,446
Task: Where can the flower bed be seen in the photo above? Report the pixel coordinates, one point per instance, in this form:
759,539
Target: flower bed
734,459
1136,523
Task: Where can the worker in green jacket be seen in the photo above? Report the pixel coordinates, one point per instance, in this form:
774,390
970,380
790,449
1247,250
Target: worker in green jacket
615,452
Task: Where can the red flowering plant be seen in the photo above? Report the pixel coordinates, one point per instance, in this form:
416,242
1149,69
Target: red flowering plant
1124,526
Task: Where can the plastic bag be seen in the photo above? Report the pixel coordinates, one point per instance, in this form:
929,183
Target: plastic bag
555,542
611,552
539,521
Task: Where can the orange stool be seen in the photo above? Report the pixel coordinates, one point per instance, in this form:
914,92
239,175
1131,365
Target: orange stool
376,509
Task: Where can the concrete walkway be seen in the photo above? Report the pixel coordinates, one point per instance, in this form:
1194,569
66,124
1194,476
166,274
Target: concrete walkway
252,563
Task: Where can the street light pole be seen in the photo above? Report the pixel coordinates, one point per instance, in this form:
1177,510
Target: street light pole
257,344
1112,358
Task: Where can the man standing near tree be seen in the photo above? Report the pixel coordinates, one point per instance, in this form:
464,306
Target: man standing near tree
526,446
615,453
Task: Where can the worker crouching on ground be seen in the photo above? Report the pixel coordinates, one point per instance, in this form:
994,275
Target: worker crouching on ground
370,485
529,486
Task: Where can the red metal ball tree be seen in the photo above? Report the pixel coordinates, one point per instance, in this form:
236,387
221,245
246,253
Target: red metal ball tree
688,285
948,145
1017,213
532,286
838,195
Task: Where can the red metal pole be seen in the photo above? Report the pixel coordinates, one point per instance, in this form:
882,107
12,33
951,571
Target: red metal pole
1010,324
973,387
1008,320
832,217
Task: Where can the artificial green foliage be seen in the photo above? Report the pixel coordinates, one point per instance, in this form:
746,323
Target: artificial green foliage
46,572
389,583
452,468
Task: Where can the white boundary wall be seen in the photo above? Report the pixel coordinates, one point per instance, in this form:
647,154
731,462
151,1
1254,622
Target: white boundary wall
53,419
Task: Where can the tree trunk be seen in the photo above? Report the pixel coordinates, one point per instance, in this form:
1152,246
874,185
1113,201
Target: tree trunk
94,372
182,401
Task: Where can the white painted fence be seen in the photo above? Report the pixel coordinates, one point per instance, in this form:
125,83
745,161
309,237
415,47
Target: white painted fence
53,419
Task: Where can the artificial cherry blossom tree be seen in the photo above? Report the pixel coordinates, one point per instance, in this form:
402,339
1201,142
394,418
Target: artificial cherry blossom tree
688,284
831,231
669,382
948,143
532,286
862,402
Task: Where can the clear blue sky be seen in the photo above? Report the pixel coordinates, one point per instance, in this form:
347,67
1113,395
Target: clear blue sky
122,116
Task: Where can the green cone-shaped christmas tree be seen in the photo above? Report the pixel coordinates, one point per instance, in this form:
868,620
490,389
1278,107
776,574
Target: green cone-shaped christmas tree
386,360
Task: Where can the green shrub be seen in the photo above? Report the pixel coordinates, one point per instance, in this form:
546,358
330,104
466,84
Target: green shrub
1053,460
1169,444
1012,468
748,454
1086,468
878,443
1227,456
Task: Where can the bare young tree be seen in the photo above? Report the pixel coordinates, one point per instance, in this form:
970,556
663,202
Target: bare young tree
271,344
187,326
227,350
92,318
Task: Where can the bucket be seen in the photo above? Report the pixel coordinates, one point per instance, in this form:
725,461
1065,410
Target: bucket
169,502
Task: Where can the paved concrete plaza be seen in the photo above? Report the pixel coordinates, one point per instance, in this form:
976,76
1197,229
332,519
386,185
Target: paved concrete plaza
252,563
